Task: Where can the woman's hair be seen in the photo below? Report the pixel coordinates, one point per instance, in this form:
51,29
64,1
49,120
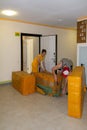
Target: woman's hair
71,67
44,50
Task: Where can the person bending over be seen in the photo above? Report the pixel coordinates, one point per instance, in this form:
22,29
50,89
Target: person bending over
38,63
64,62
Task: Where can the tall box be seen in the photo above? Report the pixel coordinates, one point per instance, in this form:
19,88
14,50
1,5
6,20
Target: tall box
76,84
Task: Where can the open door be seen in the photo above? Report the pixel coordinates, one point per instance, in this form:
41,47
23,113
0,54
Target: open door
50,44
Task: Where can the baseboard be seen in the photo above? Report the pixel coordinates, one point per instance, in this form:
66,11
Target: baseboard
6,82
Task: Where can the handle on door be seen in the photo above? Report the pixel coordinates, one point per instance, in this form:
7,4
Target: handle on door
53,59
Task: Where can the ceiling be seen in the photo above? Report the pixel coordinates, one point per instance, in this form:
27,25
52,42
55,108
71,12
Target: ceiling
61,13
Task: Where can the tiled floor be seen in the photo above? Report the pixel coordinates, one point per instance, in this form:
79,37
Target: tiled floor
36,112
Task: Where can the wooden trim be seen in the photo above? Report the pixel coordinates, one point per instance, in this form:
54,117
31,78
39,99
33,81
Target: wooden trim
45,25
56,47
82,18
5,82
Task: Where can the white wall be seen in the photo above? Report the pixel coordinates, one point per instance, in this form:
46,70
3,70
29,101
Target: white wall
10,44
67,45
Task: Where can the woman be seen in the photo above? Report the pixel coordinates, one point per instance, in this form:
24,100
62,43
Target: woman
64,62
65,65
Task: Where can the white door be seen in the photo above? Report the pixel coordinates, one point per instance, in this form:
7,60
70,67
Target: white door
29,54
49,43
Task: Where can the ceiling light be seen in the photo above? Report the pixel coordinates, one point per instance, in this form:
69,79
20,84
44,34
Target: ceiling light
9,12
60,20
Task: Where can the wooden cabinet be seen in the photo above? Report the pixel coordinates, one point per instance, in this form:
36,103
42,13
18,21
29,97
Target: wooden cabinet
81,31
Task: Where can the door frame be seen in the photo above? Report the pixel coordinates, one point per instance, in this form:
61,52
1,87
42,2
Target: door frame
56,48
31,35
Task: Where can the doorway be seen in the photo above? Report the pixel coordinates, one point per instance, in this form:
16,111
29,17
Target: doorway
32,44
30,47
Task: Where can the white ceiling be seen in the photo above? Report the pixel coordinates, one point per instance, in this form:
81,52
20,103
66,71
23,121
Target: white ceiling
49,12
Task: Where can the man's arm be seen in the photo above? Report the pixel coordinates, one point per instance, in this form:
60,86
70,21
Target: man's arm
44,66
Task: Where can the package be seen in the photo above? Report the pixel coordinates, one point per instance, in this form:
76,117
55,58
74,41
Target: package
45,81
23,82
76,84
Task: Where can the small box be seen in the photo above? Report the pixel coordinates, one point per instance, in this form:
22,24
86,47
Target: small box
23,82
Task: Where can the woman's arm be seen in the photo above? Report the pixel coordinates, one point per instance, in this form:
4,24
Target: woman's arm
58,66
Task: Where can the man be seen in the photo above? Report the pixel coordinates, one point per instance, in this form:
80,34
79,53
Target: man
38,62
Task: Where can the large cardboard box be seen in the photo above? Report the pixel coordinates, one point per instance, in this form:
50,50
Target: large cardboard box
45,81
